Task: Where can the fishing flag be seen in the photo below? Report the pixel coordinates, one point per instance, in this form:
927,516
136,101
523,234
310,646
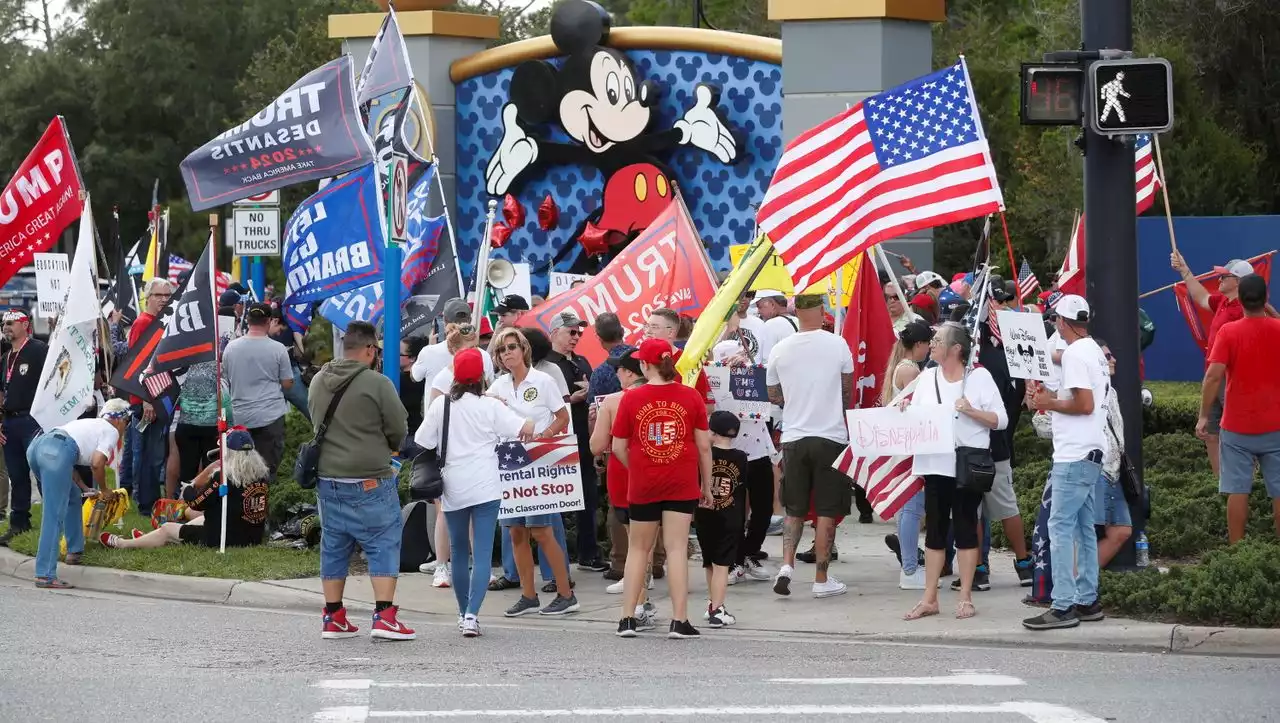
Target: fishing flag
334,241
1028,284
1199,318
1071,275
67,381
40,201
911,158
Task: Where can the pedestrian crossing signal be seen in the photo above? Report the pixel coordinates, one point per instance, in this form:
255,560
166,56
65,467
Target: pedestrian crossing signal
1129,97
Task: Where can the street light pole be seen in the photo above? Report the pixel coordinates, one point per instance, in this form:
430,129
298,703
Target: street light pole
1111,250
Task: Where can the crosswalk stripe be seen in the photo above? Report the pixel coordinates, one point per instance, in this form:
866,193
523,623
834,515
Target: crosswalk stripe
981,680
1034,711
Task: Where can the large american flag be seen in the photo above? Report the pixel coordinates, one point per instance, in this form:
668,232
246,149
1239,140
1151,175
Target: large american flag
1071,275
888,481
518,455
1028,284
910,158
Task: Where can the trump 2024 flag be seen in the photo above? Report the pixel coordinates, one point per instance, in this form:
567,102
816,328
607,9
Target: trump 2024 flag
907,159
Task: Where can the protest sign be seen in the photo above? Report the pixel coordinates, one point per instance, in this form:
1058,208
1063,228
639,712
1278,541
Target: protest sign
311,131
666,266
39,202
541,477
562,282
1025,345
53,272
889,431
741,389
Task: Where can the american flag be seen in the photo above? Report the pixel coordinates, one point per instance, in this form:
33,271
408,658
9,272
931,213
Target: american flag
1071,275
518,455
1028,284
910,158
888,481
179,266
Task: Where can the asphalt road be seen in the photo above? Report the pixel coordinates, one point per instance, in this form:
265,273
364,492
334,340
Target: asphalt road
79,656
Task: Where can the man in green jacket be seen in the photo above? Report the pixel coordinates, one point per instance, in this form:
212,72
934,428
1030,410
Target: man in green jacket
358,492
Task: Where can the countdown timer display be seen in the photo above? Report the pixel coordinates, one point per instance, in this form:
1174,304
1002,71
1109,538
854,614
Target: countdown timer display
1052,94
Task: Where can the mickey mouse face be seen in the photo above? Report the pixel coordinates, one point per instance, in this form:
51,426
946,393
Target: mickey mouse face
611,109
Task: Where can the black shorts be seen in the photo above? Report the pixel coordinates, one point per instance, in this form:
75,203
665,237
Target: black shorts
652,511
191,534
719,534
622,515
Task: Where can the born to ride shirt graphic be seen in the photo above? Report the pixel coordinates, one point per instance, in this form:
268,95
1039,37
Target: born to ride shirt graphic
659,421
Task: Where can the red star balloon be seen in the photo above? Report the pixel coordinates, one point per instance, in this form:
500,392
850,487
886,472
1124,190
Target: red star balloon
548,214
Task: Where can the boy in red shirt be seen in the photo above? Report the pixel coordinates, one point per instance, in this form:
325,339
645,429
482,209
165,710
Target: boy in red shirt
1250,427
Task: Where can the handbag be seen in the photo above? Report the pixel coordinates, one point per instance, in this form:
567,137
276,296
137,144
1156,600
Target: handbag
1129,483
427,479
975,469
306,469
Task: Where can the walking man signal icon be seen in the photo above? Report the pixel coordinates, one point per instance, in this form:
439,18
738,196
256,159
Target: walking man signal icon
1112,92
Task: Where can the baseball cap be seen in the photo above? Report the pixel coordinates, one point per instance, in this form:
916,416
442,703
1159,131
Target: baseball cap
261,311
808,301
514,302
1238,268
1073,308
724,423
468,366
456,311
928,278
626,360
768,294
566,319
228,298
652,351
15,315
239,439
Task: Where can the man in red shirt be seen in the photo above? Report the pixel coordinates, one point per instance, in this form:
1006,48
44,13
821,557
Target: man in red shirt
1250,427
149,441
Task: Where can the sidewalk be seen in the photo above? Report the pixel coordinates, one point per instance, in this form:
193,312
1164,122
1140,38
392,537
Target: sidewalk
871,611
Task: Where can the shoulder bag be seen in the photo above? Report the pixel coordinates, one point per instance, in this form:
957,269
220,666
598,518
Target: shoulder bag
1128,480
427,480
975,470
306,469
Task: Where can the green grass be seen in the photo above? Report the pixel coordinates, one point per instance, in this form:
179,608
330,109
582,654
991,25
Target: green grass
255,563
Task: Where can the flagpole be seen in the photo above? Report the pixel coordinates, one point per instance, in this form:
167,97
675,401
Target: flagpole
1164,190
1201,277
217,360
1013,266
482,260
884,262
392,261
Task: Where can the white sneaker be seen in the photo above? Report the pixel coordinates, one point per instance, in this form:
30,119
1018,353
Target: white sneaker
618,587
830,588
914,581
470,627
427,568
736,575
720,618
442,577
782,583
755,571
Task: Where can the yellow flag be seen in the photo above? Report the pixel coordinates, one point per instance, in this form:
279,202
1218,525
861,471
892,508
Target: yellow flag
153,251
710,324
235,268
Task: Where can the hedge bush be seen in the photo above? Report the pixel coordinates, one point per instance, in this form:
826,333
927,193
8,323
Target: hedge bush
1236,585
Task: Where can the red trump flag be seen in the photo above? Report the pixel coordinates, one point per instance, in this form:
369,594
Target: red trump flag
40,201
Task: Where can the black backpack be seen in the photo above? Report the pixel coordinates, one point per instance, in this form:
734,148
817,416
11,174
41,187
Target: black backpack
415,541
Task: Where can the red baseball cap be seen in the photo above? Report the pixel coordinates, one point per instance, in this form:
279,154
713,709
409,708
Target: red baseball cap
652,351
468,366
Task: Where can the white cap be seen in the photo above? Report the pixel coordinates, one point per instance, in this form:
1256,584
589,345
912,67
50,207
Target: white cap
768,294
1235,267
1073,308
928,278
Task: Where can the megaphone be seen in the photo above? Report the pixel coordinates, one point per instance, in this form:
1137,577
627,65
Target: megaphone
500,274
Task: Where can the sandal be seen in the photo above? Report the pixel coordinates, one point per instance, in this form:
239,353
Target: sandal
73,558
52,583
965,610
921,610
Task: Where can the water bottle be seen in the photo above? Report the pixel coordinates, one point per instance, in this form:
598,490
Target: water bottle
1143,556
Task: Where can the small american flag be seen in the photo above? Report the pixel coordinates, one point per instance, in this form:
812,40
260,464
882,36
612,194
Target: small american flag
910,158
1028,284
517,455
888,481
179,266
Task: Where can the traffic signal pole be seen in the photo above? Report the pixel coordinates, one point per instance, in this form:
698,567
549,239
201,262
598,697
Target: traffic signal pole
1111,244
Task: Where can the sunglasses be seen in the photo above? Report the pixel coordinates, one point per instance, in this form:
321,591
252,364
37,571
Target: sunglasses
575,332
509,347
891,297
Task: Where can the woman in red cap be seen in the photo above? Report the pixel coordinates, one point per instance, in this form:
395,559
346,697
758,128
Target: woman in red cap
472,487
660,434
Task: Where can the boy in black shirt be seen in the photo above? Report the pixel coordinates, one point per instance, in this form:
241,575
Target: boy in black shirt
719,527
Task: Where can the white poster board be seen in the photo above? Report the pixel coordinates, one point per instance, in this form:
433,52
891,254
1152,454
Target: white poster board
1026,348
541,477
53,274
562,282
521,284
891,432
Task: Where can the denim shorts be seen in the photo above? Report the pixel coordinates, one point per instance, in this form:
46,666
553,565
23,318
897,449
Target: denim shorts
364,513
1237,453
530,521
1109,505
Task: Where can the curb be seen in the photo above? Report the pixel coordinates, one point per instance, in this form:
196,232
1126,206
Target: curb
218,591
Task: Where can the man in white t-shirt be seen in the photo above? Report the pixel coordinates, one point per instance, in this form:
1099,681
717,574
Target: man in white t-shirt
1078,412
810,375
435,357
772,306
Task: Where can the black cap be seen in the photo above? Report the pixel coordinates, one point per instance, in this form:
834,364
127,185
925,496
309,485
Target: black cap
627,361
512,302
260,311
724,423
229,298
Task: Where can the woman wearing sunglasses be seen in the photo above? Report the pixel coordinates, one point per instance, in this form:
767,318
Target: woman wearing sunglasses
534,395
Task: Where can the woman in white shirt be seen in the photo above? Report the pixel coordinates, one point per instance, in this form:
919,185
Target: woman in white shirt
909,352
472,486
533,394
974,399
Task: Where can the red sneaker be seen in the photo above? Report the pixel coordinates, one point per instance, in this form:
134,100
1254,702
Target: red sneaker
139,533
336,626
386,627
108,540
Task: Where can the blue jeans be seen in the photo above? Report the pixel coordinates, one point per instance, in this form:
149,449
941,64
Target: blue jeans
351,513
509,559
297,394
470,568
1071,519
18,434
52,457
124,480
909,532
149,455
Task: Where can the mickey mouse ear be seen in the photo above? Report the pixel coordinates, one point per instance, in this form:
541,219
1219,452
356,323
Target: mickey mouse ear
578,25
533,90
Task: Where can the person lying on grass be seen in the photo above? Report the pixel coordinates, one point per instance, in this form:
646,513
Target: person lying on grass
247,475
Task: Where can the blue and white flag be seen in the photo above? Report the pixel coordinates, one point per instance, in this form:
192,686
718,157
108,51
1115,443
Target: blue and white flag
334,241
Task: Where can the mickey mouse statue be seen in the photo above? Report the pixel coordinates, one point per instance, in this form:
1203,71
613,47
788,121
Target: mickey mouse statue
600,102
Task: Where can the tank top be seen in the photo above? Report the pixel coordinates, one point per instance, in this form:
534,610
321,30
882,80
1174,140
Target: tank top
894,381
